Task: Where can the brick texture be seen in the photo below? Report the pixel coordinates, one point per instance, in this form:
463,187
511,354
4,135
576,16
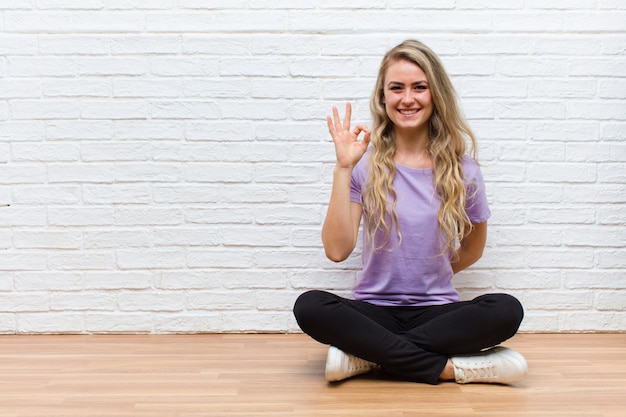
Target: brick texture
165,165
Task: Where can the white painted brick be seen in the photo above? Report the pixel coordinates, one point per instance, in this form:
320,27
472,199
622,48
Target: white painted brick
80,216
216,44
563,45
105,194
191,279
613,131
151,301
255,235
530,110
79,130
50,322
222,173
82,301
215,88
476,87
42,67
117,322
102,173
284,89
572,173
80,260
116,280
5,243
605,110
13,44
595,21
147,216
72,22
147,172
103,67
150,258
612,259
114,109
194,109
118,238
265,173
611,215
19,88
145,44
268,279
612,89
554,300
614,300
185,66
139,4
8,323
308,238
220,258
197,322
27,301
535,21
258,321
23,239
569,131
147,88
44,109
596,322
605,236
53,152
560,258
74,44
596,193
520,280
490,4
286,259
219,215
77,88
187,237
218,300
165,166
562,215
22,216
599,279
148,130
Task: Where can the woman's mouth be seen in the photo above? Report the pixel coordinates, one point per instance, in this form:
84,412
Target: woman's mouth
408,112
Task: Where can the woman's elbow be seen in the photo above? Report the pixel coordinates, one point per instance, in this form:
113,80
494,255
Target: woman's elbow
336,255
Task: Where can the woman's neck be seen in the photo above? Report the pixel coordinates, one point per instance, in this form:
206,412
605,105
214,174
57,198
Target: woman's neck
412,151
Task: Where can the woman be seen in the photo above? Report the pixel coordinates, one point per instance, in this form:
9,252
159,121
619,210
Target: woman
425,214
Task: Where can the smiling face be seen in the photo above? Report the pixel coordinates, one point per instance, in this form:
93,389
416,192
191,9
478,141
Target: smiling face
407,97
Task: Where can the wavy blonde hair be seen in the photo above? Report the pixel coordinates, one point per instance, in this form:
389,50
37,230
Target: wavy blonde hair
449,135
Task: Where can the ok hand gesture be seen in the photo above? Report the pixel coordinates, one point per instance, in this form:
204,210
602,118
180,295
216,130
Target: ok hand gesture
347,146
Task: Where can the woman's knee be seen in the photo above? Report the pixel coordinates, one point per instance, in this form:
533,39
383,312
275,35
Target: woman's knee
308,306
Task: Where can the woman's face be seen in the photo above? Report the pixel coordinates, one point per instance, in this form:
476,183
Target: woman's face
407,97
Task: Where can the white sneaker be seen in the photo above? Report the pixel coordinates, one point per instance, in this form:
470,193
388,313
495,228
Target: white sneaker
498,365
341,365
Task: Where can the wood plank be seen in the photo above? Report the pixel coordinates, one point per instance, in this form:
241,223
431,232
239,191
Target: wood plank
278,375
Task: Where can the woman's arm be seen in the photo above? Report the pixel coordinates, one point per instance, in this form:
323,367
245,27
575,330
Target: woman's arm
471,248
341,226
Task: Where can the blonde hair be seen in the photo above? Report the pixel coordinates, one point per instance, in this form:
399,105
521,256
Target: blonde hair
448,137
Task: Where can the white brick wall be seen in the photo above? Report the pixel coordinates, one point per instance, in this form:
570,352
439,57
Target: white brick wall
165,165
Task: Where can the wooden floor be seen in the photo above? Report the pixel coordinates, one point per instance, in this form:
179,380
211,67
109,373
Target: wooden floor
282,375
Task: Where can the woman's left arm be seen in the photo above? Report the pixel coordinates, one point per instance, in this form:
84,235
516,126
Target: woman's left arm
471,247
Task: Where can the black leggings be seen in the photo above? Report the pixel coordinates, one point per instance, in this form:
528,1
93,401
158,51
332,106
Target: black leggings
413,343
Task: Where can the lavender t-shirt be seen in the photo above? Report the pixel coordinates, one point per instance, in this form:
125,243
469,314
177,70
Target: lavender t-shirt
415,273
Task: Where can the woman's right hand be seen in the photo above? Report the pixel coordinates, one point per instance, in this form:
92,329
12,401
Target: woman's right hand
347,146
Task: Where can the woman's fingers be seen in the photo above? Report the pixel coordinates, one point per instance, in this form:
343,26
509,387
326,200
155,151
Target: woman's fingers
346,119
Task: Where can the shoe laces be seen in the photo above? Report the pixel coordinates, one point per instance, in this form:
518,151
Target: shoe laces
478,373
